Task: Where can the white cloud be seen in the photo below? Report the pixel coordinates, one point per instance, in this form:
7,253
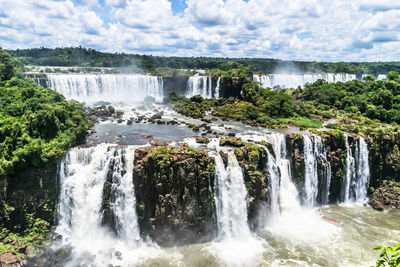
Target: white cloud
287,29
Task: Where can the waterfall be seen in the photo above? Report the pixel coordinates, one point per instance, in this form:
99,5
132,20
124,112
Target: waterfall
314,153
362,171
216,95
349,173
311,175
295,80
273,183
199,85
107,87
230,199
288,195
83,174
326,170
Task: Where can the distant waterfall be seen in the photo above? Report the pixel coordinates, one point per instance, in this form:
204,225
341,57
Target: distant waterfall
295,80
230,199
107,87
356,176
202,85
83,174
378,77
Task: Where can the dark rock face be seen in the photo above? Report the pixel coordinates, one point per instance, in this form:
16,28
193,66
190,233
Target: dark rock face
253,159
384,158
295,150
175,83
175,194
230,87
30,192
27,196
386,197
336,155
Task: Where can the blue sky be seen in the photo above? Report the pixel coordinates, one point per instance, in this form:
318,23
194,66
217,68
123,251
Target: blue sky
324,30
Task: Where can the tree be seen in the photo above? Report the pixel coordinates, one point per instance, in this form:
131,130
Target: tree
9,67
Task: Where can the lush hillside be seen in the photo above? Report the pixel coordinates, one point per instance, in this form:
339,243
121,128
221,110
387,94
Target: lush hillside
37,126
83,57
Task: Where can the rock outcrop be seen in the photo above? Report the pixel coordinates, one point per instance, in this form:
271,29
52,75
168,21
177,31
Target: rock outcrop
253,160
386,197
175,194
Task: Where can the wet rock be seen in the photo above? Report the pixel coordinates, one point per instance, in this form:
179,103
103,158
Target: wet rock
231,134
8,259
174,190
202,140
206,120
235,142
120,120
253,159
386,197
224,157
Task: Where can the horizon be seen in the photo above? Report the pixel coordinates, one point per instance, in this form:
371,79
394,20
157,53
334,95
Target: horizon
307,30
213,57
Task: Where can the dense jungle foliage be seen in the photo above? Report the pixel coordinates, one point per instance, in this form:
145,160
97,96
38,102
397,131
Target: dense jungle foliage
78,56
37,125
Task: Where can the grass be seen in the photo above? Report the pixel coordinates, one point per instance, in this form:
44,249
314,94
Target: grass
302,122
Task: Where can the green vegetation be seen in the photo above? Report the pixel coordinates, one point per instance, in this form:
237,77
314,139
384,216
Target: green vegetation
389,256
373,99
37,126
78,56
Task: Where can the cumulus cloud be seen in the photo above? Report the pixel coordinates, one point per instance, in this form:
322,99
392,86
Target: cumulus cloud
286,29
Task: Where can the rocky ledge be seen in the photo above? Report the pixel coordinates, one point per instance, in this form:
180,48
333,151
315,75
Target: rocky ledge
174,189
386,197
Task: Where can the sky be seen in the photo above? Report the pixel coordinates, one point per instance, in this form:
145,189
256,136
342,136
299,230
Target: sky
322,30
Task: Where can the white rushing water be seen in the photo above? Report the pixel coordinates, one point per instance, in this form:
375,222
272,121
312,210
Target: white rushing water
274,184
230,199
314,152
362,171
349,174
356,176
311,175
326,171
107,87
202,85
295,80
235,244
82,176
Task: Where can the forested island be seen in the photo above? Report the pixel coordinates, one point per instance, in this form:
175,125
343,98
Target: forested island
194,140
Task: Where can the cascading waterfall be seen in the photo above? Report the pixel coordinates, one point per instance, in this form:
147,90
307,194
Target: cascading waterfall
349,173
314,150
362,171
216,95
230,199
274,184
326,170
295,80
107,87
200,85
311,175
288,195
83,174
356,177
